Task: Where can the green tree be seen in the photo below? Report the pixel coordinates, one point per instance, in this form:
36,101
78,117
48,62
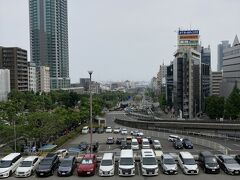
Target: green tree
232,106
215,106
162,101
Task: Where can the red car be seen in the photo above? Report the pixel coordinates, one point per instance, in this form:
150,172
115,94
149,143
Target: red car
88,165
139,139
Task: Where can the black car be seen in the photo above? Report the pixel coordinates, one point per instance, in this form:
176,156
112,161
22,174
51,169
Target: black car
187,143
67,166
110,140
100,130
119,140
47,165
177,144
93,130
208,162
237,158
150,140
83,146
124,144
228,164
95,146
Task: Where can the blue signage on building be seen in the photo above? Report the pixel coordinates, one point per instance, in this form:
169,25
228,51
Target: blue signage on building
188,32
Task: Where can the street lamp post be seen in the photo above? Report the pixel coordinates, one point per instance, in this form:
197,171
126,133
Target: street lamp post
90,92
15,135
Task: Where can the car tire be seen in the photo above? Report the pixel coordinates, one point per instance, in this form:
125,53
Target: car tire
10,173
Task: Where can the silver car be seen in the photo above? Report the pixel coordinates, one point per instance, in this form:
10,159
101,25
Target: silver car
157,144
168,164
228,164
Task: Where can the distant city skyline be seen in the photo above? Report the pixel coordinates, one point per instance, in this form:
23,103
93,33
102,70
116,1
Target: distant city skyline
126,40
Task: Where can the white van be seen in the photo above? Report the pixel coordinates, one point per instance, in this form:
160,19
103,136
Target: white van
85,130
126,163
149,163
187,163
134,144
145,143
9,164
107,165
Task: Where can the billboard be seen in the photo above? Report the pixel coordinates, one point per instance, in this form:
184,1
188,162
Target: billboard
188,38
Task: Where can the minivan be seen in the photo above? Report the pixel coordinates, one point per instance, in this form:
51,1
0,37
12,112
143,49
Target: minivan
208,162
126,163
107,165
85,130
187,163
148,163
9,164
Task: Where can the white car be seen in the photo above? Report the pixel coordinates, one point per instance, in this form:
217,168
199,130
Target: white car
157,144
109,130
61,153
116,130
187,163
85,130
140,134
9,164
107,165
27,167
173,137
134,144
124,131
145,143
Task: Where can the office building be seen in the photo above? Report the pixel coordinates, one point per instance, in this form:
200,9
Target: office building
32,77
205,75
161,79
187,82
221,47
4,84
43,79
231,68
49,39
169,85
216,80
15,59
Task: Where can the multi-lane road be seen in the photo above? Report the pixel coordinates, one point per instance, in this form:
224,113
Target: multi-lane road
167,147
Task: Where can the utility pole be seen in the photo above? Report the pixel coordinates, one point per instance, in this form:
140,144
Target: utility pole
90,91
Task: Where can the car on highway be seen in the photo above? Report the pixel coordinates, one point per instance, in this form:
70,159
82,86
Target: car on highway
145,143
124,131
119,140
208,162
107,165
157,144
88,165
27,167
85,130
83,146
48,165
110,140
187,163
173,137
67,166
187,143
177,144
9,164
148,162
168,164
134,144
228,164
117,130
109,130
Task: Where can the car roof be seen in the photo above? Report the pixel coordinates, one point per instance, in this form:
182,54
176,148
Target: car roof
186,154
11,156
67,158
145,139
107,156
88,156
168,156
110,138
30,158
50,155
226,156
156,140
147,153
134,140
126,153
206,153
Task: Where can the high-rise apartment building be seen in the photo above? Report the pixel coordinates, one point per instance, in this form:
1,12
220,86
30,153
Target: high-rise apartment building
161,78
4,84
221,47
216,80
32,77
43,79
49,39
231,68
15,59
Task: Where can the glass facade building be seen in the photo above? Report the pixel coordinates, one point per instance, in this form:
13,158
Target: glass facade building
49,39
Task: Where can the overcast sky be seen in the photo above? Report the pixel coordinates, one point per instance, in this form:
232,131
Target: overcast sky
127,39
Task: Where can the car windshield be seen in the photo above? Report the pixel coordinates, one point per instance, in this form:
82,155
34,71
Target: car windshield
5,164
156,143
106,162
46,161
230,161
210,160
168,161
87,161
134,143
26,164
126,161
149,161
189,161
145,143
66,163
